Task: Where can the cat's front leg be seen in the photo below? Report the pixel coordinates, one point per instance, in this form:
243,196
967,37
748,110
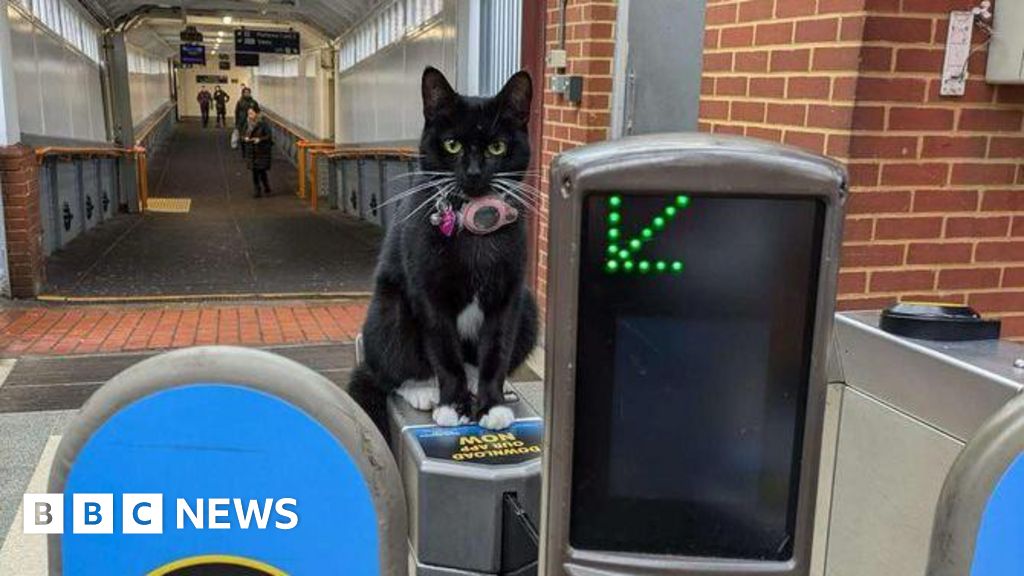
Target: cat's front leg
444,351
495,351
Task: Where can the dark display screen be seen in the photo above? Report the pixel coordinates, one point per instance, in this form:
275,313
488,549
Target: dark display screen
267,41
695,328
193,54
247,59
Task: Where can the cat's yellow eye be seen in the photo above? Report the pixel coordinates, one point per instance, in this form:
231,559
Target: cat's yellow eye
497,148
452,146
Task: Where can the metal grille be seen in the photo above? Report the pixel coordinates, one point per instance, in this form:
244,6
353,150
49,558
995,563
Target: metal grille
501,33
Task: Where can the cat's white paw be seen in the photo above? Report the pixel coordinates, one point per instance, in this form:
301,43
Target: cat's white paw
420,394
472,377
498,418
447,416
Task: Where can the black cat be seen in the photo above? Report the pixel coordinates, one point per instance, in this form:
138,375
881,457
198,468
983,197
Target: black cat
450,309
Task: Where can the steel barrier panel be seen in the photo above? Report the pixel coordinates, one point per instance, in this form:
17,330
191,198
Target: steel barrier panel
396,181
108,187
69,202
48,207
91,193
323,180
334,177
370,189
350,190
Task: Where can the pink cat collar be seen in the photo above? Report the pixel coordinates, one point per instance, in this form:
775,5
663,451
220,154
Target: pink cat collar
486,214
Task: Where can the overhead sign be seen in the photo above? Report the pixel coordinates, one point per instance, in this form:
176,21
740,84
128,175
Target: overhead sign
191,35
193,54
520,442
266,41
211,79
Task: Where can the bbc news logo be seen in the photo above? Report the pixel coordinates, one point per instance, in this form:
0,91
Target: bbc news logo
144,514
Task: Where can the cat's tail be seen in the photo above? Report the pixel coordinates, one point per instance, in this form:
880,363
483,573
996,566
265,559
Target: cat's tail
363,388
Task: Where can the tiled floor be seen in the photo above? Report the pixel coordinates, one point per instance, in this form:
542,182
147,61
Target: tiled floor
63,330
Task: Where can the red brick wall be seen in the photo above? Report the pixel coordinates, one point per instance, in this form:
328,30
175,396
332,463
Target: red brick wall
937,204
19,179
590,34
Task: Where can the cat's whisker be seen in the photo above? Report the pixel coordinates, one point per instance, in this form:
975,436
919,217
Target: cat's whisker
419,173
415,189
519,173
432,198
524,188
528,205
524,201
440,192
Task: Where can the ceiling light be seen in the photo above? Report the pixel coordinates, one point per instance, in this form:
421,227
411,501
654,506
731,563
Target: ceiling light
228,19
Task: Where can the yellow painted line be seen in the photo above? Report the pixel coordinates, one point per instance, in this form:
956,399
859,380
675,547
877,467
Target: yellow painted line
197,297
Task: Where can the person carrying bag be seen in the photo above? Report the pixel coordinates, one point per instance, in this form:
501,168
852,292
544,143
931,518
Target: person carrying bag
259,150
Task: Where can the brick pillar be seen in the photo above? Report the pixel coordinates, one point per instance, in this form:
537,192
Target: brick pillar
19,179
590,43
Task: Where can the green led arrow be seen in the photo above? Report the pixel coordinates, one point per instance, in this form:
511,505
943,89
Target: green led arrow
621,251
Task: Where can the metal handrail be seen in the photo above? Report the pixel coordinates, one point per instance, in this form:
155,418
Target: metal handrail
352,153
145,132
348,153
312,146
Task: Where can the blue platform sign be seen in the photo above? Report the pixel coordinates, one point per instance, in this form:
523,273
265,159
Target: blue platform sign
248,483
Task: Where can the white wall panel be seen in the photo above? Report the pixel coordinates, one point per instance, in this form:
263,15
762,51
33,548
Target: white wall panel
57,80
148,83
294,88
26,73
59,91
378,98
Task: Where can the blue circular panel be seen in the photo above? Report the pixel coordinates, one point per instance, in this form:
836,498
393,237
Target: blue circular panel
222,441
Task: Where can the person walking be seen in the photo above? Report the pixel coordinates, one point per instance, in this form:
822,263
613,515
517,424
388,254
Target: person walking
242,114
221,99
259,146
204,100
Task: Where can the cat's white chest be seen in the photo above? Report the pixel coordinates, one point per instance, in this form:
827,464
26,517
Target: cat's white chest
470,320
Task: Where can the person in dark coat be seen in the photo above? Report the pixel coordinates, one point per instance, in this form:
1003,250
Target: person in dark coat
259,146
242,113
221,99
204,99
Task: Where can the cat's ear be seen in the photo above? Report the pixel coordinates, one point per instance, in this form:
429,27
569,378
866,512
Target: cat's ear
438,95
515,97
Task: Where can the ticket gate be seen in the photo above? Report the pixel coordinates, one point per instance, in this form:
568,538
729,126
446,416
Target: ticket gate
221,460
473,494
921,458
687,426
683,401
685,356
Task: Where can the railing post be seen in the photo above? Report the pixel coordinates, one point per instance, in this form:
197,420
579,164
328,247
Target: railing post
301,157
143,177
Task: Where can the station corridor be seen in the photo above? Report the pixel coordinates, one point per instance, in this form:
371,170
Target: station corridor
229,243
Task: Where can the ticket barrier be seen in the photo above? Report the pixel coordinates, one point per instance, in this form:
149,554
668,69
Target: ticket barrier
684,400
686,345
473,494
221,460
921,472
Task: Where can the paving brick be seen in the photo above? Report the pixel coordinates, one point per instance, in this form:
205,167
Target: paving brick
84,330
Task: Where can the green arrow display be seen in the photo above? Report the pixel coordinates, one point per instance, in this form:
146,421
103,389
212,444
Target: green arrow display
622,254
